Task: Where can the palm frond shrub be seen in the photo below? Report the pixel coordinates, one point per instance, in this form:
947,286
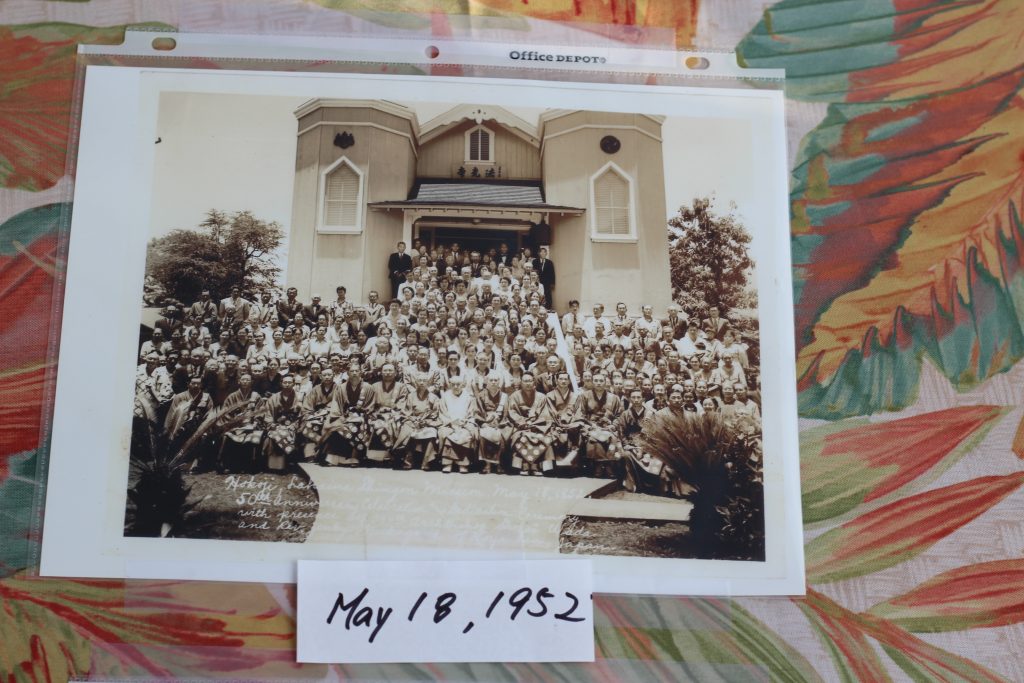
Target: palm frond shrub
721,464
158,494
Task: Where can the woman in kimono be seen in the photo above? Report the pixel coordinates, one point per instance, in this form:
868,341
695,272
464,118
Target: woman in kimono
316,408
565,427
530,420
243,425
283,411
347,432
490,416
458,432
417,437
597,410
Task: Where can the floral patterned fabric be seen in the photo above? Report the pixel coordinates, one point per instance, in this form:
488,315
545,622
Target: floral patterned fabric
906,121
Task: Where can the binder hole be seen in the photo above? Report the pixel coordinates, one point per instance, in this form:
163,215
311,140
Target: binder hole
697,63
432,52
164,44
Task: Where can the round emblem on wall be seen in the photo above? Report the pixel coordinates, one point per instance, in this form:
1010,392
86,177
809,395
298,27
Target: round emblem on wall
610,144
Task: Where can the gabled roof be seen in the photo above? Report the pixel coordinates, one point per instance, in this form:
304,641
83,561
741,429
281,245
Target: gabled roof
442,123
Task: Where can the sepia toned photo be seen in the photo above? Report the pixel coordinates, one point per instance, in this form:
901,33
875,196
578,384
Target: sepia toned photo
482,292
429,320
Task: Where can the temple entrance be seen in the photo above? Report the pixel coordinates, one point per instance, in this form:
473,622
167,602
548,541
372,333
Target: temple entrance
474,239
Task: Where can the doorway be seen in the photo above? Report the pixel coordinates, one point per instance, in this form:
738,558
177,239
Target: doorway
473,239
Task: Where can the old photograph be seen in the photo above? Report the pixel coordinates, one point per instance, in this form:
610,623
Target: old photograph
403,325
482,292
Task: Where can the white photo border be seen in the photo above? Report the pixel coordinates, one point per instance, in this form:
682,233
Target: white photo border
83,526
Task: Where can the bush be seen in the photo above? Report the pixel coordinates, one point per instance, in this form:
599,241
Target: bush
722,464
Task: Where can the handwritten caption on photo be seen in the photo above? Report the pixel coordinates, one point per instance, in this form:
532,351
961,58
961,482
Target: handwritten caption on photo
458,611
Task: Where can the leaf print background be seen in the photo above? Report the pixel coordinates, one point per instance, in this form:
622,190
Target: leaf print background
908,249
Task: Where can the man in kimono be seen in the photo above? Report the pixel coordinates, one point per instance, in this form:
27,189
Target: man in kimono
316,407
417,437
283,412
597,409
565,427
490,416
347,433
186,412
530,420
642,471
458,431
385,419
242,425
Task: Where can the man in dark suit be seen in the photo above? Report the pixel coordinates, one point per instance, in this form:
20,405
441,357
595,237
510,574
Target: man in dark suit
546,272
504,257
399,263
170,322
676,322
314,310
715,322
475,263
288,307
204,311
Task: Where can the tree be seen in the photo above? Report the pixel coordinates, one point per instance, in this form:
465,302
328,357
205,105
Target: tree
224,251
708,258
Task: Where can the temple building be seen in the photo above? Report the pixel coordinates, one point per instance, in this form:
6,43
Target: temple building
589,185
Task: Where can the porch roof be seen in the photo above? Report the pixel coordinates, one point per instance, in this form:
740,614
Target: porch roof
478,195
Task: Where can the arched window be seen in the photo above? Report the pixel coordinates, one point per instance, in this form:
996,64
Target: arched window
479,144
342,192
612,199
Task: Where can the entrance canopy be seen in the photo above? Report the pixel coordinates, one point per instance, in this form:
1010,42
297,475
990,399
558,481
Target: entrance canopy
484,212
508,196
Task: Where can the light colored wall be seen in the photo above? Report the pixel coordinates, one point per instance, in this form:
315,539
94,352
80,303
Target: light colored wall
442,156
318,263
637,272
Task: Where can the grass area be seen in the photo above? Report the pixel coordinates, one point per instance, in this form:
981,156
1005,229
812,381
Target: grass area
635,538
256,507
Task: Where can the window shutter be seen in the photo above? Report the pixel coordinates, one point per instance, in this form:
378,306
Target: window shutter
474,146
479,145
485,145
341,207
611,204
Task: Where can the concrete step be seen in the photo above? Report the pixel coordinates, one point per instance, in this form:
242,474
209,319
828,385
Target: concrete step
669,511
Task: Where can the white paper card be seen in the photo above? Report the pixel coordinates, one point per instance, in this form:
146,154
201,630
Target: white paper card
508,611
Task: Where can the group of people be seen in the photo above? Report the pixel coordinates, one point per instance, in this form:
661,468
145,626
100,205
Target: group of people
466,369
